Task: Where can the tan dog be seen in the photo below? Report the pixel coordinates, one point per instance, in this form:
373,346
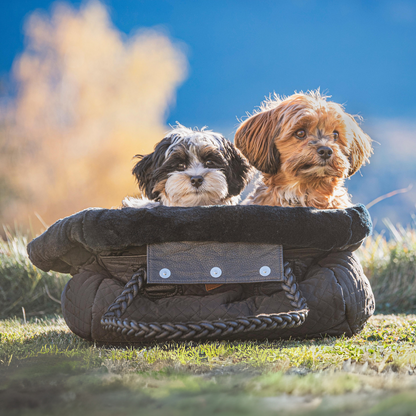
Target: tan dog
306,147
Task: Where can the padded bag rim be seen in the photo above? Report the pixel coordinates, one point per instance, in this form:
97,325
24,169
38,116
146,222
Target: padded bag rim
98,230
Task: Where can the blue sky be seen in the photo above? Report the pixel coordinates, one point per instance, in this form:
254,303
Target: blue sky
363,53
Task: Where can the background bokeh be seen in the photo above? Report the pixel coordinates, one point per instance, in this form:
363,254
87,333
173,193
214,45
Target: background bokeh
87,85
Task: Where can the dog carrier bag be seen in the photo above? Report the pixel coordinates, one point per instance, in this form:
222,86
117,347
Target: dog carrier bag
209,273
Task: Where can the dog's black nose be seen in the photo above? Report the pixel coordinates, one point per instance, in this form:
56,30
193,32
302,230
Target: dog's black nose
197,181
325,152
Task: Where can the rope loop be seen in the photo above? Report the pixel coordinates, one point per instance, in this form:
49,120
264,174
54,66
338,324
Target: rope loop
167,331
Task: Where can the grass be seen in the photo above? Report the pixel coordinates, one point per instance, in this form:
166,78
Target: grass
22,285
47,369
386,344
390,266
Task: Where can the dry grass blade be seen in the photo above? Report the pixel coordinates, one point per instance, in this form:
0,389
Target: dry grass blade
389,195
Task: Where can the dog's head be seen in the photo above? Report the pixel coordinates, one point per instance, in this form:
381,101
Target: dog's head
305,136
191,168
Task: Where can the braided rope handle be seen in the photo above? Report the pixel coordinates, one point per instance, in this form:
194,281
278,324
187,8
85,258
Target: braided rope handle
112,321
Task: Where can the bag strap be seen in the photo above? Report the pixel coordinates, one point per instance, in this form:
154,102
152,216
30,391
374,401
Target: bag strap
144,331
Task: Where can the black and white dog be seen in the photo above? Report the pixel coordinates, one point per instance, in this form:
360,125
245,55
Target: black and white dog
191,168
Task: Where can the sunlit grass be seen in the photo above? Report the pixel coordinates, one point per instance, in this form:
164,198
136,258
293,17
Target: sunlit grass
45,367
22,285
386,343
390,266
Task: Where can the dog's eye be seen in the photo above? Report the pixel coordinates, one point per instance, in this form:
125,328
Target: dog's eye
300,134
181,166
209,163
336,135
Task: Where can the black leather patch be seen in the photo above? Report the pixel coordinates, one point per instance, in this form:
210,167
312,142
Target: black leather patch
212,262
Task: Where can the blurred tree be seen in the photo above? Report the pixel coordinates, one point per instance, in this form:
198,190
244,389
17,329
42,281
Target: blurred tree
88,100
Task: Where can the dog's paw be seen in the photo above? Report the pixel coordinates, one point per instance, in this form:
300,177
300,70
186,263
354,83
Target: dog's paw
139,203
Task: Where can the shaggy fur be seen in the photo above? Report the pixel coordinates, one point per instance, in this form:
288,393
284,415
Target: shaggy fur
191,168
306,147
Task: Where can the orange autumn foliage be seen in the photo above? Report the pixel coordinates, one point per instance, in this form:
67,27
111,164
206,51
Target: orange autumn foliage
89,99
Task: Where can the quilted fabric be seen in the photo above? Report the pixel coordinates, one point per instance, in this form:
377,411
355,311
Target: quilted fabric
337,292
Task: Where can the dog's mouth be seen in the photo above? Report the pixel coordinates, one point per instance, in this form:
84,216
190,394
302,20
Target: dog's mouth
306,167
320,170
320,164
197,191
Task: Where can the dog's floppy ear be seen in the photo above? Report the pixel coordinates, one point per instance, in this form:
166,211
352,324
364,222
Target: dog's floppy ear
145,168
143,173
256,139
359,145
239,170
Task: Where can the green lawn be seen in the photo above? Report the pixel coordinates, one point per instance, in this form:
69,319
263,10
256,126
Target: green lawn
45,369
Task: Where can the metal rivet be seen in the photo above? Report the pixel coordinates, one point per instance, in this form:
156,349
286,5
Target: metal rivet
265,271
215,272
164,273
